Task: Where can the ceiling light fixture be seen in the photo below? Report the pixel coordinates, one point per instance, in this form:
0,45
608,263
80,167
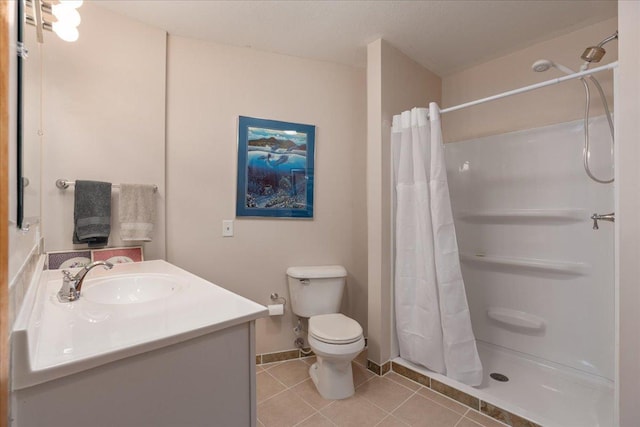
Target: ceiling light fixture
59,16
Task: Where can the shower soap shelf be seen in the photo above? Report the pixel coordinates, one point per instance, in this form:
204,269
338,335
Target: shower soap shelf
542,265
525,216
519,319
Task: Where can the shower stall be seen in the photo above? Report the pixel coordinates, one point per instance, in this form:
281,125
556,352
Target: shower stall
534,224
539,278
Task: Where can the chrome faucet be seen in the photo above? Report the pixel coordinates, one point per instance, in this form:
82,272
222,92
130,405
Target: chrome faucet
71,285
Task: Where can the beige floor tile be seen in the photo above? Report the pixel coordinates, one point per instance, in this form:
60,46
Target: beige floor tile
443,400
316,420
309,360
259,368
392,421
483,420
290,373
260,424
267,386
360,374
308,392
420,411
403,381
354,412
361,359
284,410
384,393
267,366
466,422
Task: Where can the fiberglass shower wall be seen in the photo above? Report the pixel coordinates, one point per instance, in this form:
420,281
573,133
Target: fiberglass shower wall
539,279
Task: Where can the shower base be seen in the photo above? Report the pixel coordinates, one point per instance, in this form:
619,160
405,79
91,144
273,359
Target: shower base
546,393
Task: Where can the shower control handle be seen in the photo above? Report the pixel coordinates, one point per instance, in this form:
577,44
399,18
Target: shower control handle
606,217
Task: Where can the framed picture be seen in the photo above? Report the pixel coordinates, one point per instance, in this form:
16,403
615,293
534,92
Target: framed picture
275,169
118,255
68,259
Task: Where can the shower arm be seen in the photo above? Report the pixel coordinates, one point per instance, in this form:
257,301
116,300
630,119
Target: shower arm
608,39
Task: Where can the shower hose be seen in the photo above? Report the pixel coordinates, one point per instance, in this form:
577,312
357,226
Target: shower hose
586,150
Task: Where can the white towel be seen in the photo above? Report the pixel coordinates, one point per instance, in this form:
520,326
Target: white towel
137,212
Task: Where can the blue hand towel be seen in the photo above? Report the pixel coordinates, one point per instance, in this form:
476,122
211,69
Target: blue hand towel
92,213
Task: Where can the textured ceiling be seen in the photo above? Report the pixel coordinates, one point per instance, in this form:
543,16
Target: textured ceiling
444,36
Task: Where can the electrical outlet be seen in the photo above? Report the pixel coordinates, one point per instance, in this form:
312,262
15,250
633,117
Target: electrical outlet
227,228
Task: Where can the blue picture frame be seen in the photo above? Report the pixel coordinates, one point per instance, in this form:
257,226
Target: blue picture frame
275,169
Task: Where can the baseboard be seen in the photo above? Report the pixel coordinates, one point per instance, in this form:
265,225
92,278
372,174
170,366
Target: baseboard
472,402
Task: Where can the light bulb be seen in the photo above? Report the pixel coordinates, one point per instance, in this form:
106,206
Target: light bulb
72,3
66,14
67,33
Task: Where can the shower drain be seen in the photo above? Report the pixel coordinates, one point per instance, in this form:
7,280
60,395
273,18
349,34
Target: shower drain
499,377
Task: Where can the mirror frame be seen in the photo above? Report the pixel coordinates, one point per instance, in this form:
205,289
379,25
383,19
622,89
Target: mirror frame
20,116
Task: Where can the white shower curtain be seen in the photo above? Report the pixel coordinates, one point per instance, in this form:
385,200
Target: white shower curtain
432,314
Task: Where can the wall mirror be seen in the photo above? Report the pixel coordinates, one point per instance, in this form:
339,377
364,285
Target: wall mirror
28,126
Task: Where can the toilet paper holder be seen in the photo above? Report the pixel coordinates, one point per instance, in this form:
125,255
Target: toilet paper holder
277,306
277,298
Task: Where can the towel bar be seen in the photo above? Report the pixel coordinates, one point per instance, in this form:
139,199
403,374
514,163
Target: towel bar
63,184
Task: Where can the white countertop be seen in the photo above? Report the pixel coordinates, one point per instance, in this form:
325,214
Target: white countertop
57,339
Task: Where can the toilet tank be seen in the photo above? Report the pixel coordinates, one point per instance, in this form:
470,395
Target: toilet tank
316,290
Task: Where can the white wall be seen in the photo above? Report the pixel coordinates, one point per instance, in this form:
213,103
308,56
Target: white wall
104,118
556,104
209,86
394,83
627,218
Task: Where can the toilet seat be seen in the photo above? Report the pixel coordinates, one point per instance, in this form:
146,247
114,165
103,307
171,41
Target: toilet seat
335,328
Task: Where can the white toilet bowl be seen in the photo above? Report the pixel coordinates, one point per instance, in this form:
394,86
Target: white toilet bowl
316,293
336,340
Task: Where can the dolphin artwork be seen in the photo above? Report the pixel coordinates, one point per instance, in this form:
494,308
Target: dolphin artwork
280,160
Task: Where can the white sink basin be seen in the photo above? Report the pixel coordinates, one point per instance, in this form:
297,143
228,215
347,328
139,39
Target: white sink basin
130,289
131,309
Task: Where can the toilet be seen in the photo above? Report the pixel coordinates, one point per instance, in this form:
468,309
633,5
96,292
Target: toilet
316,294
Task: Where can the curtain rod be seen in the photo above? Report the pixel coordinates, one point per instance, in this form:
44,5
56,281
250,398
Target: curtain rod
531,87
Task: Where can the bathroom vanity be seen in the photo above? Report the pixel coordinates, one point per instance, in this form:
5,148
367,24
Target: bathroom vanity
147,344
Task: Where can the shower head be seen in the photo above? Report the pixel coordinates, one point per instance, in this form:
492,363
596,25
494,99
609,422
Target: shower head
542,65
593,54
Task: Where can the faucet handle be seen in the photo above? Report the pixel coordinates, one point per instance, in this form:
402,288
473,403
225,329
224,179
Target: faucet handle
67,291
611,217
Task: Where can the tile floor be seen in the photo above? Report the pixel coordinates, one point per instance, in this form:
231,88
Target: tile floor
287,397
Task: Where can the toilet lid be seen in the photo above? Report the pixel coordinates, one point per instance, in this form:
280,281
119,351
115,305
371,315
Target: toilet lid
334,328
